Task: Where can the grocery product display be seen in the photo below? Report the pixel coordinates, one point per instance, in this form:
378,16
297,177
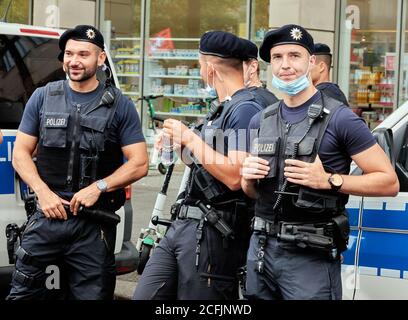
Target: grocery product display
126,57
173,70
372,75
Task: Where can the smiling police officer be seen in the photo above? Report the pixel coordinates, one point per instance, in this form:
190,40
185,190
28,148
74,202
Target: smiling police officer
202,250
298,174
83,129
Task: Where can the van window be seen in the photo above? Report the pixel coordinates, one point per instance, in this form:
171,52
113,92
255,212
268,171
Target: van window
401,166
26,63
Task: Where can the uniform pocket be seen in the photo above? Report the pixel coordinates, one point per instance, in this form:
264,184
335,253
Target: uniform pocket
268,149
93,137
55,129
304,149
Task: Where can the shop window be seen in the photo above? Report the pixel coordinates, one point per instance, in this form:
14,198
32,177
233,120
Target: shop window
403,92
18,12
171,56
368,59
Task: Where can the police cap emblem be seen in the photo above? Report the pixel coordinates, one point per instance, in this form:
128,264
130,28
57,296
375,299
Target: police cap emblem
296,34
90,33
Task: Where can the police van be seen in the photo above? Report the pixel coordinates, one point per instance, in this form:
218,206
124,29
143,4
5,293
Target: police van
375,265
28,60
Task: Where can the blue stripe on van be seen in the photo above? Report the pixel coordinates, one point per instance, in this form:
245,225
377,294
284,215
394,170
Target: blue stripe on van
6,169
384,251
353,216
386,219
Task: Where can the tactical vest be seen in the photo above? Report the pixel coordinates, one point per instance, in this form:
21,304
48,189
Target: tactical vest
263,96
279,141
74,140
202,185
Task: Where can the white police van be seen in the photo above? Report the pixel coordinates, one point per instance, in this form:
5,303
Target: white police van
28,60
376,263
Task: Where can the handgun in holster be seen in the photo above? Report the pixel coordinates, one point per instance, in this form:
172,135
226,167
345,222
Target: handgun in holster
98,215
207,184
215,219
13,233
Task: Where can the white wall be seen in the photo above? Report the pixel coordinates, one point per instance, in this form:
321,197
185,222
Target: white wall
63,13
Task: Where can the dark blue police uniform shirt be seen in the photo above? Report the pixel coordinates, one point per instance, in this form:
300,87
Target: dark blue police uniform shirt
126,124
238,122
332,90
346,134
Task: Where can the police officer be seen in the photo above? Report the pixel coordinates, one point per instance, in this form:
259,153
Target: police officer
83,129
202,250
298,173
320,73
251,75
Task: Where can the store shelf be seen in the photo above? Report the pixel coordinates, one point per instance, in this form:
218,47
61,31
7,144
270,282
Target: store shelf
126,56
386,85
176,39
375,105
168,95
131,93
172,58
125,39
175,114
166,76
129,74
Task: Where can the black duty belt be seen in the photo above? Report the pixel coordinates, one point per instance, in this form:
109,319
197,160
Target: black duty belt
261,225
190,212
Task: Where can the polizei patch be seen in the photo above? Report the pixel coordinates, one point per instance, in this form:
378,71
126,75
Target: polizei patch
55,122
263,148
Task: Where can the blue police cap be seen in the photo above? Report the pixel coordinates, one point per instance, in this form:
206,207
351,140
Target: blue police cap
287,34
322,49
222,44
251,50
81,33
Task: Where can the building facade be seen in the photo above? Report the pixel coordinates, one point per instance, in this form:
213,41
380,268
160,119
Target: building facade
154,44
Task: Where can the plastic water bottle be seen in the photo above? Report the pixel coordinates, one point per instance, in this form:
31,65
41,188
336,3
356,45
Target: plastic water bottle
167,154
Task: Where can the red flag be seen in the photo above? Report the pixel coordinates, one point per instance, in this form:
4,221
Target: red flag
161,41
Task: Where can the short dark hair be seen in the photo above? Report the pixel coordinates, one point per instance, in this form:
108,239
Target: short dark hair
326,59
229,63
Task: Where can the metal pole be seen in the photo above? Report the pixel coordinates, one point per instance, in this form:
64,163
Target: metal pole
143,28
249,19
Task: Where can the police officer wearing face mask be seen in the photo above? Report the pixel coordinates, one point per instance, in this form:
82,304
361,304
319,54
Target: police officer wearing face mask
298,174
251,76
202,250
83,129
320,73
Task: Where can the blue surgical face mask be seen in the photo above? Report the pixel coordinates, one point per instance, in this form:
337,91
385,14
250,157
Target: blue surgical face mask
293,87
210,91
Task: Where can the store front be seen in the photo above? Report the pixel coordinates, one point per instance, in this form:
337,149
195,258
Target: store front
372,73
18,11
154,44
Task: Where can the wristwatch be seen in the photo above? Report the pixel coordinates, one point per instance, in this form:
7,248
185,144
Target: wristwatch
336,181
102,185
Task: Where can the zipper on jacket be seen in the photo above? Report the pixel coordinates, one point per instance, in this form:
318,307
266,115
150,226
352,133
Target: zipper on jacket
73,147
